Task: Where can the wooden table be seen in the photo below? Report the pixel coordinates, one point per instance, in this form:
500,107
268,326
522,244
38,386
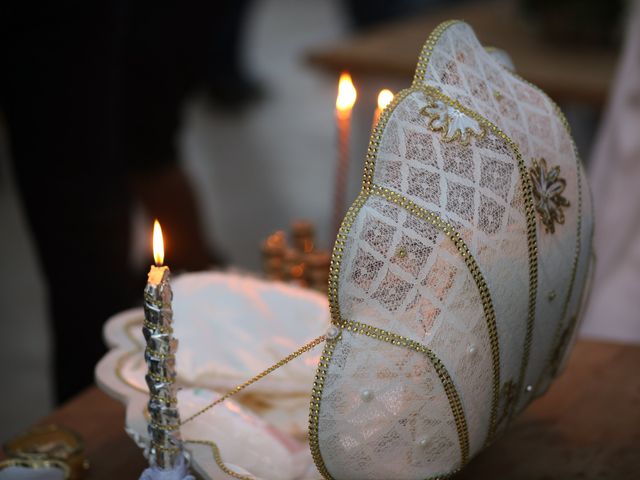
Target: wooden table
586,427
568,73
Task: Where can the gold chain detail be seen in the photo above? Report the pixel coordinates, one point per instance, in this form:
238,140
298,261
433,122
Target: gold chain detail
305,348
218,459
474,270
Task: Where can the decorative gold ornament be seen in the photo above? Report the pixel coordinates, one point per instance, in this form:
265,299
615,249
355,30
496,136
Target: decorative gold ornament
455,124
547,192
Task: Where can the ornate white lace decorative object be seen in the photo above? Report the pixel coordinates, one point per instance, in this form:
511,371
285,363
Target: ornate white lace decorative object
442,271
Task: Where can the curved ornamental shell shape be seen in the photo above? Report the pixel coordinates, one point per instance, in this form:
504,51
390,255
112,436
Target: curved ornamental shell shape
454,301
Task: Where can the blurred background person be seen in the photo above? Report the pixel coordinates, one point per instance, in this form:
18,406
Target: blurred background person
92,95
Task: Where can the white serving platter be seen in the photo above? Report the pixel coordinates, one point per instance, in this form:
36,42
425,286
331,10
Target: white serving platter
229,327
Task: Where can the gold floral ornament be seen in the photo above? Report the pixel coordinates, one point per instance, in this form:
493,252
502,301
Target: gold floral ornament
451,121
547,192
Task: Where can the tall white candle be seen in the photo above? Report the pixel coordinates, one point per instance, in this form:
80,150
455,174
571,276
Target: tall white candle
344,105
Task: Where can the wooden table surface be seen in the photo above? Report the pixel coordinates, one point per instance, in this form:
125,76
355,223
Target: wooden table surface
586,427
567,73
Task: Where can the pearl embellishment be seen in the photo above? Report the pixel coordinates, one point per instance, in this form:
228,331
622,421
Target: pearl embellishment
366,395
332,332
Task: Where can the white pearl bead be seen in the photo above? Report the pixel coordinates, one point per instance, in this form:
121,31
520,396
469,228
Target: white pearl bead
332,332
366,395
423,442
471,349
529,388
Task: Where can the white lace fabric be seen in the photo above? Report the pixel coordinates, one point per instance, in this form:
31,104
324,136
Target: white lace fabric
383,410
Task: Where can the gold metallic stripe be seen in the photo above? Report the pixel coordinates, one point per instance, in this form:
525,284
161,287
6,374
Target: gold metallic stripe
367,184
478,278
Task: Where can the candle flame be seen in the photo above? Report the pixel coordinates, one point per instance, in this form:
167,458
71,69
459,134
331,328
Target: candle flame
158,244
346,93
384,98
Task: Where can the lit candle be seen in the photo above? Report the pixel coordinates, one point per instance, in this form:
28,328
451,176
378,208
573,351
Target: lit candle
385,97
165,451
344,105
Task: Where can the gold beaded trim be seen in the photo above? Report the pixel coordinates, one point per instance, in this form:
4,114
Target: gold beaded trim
314,407
474,270
394,339
532,244
574,267
441,370
338,250
418,83
425,53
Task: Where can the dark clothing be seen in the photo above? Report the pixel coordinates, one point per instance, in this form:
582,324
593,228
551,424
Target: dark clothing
92,92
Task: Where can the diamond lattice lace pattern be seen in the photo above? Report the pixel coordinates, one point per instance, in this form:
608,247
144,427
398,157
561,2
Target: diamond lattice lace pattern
463,70
380,437
478,189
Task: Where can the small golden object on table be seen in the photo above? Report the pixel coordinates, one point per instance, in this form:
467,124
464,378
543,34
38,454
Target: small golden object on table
49,446
298,263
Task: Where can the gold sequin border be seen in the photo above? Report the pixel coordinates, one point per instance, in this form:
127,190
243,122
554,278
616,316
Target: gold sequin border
478,278
419,83
367,186
530,215
382,335
578,248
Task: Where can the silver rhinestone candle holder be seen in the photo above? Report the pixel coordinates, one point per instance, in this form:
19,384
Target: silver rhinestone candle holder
165,450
